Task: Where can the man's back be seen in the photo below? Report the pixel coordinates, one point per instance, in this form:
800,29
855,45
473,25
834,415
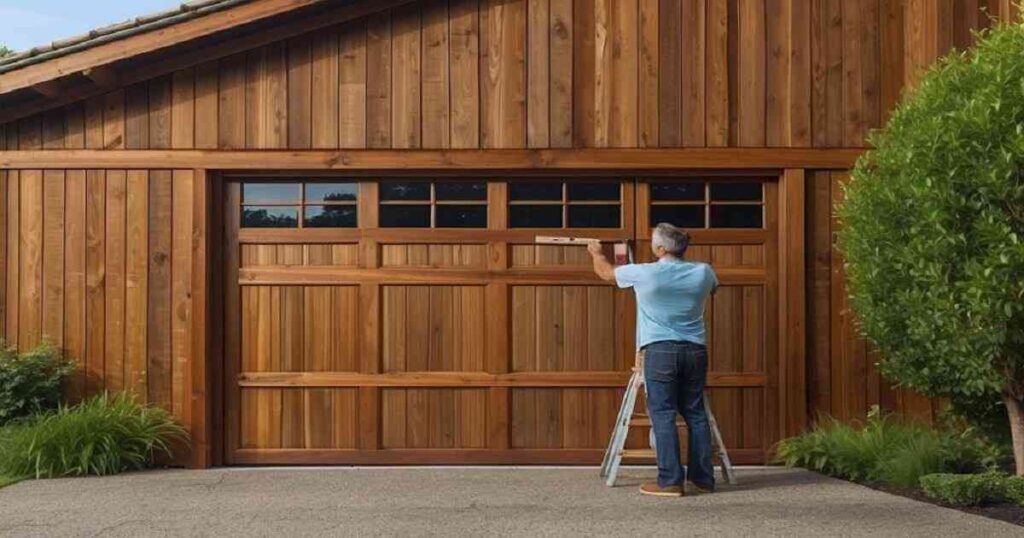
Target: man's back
670,298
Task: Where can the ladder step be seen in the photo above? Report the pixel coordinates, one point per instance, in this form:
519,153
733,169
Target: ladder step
644,420
638,453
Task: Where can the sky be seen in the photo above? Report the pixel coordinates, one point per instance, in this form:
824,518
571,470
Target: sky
28,23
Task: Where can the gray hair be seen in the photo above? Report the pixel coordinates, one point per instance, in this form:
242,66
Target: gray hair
673,239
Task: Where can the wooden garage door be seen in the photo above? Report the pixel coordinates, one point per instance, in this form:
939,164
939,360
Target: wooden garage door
415,321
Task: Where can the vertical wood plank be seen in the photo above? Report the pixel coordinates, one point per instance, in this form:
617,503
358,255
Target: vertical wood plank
180,306
53,256
200,394
300,93
266,98
799,132
95,279
405,77
159,367
325,87
778,31
560,91
207,125
692,83
113,120
538,44
74,276
160,113
183,109
503,69
116,222
717,74
826,73
13,233
231,107
31,258
623,121
750,90
792,313
136,116
352,74
647,108
584,73
378,80
891,55
435,110
670,73
136,273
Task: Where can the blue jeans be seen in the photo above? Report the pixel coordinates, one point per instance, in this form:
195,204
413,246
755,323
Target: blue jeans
675,373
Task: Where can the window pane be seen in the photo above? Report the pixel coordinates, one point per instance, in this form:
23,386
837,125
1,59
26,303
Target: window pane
405,216
330,216
593,216
461,216
535,216
685,216
460,190
270,217
594,191
746,190
270,193
404,190
685,190
736,216
530,190
330,192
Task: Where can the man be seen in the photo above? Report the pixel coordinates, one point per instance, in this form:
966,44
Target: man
670,296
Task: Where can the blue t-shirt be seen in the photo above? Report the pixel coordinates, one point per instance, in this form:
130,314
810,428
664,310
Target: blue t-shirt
670,297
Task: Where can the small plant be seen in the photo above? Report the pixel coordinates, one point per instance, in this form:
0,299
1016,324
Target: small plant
104,435
30,382
887,451
974,489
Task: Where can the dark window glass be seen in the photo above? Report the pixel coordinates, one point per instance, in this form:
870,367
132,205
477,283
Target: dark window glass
535,216
270,217
404,190
686,191
461,216
733,190
460,190
529,190
736,216
686,216
593,216
330,192
593,191
270,193
330,216
405,216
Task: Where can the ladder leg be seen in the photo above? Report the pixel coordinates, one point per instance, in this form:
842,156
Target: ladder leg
716,435
609,452
619,439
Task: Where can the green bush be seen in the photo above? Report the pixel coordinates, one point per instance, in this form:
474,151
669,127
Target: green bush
884,450
965,489
30,382
932,231
104,435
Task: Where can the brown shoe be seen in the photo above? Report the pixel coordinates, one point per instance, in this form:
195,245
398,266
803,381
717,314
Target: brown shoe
658,491
703,488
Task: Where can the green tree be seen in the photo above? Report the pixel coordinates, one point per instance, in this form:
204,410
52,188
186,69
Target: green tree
5,51
933,232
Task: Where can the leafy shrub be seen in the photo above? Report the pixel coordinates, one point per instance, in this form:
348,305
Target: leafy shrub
974,489
931,231
30,382
886,451
104,435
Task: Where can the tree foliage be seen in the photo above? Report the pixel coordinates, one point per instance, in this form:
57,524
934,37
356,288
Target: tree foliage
932,228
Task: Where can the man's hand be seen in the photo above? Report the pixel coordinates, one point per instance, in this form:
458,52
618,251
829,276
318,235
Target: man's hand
604,269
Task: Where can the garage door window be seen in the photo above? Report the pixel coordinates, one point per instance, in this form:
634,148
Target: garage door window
433,204
705,204
299,205
558,204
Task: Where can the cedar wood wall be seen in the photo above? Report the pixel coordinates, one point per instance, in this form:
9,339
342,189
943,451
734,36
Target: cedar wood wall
99,261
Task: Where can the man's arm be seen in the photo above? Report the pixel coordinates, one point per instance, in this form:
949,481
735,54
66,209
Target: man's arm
604,268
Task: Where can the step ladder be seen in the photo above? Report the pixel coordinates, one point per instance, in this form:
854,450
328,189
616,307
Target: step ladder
617,445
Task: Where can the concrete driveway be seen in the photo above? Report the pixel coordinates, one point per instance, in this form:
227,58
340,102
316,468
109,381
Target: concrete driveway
463,502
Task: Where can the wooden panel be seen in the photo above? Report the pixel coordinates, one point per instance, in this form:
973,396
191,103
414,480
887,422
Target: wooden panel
434,418
405,77
434,60
266,103
378,81
434,255
116,234
53,256
231,103
538,43
158,338
352,77
464,53
433,328
325,87
181,306
558,328
136,282
503,72
561,106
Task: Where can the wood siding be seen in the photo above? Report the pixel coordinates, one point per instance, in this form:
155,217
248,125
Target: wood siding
115,265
